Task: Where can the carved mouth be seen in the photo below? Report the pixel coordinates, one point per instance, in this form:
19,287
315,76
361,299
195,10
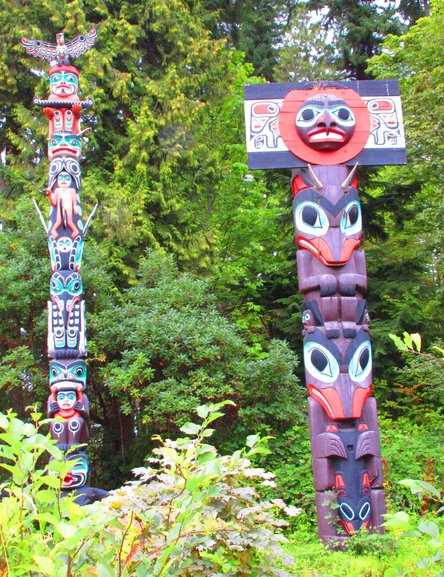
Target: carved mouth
321,135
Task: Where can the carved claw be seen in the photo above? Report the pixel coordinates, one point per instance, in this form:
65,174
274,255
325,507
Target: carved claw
368,444
329,445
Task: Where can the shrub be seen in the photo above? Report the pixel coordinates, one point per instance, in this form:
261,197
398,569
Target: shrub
191,512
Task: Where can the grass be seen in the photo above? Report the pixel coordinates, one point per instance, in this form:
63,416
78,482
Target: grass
368,556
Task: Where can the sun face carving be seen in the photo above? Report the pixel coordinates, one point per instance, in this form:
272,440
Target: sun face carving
325,122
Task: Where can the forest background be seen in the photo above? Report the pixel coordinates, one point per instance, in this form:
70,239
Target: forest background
189,266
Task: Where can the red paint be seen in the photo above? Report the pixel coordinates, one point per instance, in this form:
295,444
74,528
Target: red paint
287,127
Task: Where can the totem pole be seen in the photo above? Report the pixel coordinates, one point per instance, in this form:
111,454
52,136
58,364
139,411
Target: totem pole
322,131
66,230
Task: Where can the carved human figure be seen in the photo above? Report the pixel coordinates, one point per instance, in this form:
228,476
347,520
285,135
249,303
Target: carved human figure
69,406
64,197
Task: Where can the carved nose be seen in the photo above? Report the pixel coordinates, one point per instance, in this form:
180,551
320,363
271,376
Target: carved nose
325,121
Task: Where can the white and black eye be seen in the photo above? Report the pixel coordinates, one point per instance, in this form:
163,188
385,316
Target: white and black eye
74,287
56,286
343,114
307,115
310,218
351,220
320,363
80,372
364,511
347,511
360,365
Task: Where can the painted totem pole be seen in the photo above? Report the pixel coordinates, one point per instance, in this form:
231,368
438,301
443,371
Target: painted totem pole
322,131
66,230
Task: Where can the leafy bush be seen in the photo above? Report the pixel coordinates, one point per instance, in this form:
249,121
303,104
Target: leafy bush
191,512
415,530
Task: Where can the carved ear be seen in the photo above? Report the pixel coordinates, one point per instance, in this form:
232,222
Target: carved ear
316,182
350,176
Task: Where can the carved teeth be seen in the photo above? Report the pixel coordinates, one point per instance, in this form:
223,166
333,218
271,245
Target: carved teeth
316,182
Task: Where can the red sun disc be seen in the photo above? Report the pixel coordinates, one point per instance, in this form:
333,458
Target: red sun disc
287,126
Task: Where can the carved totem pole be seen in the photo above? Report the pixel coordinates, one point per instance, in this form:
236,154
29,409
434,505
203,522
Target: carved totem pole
66,230
322,131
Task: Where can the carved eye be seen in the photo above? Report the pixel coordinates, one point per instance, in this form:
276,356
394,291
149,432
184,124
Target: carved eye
343,115
307,115
364,511
310,218
75,287
320,363
351,221
347,511
80,371
54,372
56,286
360,365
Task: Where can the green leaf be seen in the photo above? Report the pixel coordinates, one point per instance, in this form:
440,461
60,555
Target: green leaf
203,411
399,343
408,339
398,520
417,486
416,338
429,528
191,429
67,531
45,564
104,569
252,440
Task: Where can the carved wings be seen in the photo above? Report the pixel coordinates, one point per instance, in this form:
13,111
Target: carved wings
74,48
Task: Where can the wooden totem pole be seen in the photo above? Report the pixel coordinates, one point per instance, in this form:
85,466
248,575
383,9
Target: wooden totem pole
322,131
66,230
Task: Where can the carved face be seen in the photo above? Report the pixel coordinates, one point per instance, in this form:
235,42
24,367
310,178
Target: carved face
65,284
325,122
66,399
64,244
67,374
78,475
339,380
63,83
64,142
64,180
65,164
330,231
354,502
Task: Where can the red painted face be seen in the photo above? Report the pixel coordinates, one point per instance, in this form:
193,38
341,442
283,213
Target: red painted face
324,127
325,122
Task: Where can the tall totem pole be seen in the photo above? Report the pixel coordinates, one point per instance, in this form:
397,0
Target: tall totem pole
322,131
66,230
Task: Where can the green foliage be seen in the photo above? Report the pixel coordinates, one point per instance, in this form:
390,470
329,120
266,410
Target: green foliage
411,450
166,349
192,511
415,530
408,262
